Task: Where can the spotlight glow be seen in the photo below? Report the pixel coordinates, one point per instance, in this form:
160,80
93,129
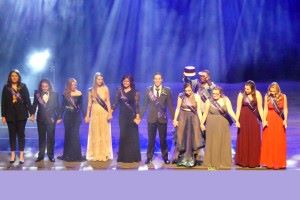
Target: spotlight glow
38,60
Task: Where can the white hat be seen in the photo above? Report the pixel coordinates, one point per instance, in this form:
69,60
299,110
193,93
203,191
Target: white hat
189,71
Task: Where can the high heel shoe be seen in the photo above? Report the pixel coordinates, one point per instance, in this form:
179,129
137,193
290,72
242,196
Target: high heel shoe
21,162
12,161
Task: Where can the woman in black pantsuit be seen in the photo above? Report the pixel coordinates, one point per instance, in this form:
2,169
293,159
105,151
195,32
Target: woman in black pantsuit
15,106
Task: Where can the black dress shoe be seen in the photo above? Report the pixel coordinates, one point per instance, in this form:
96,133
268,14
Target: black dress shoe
174,161
148,161
52,159
39,159
166,161
12,161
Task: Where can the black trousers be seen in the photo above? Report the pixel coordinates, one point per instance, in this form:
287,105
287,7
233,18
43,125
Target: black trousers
162,130
17,129
46,137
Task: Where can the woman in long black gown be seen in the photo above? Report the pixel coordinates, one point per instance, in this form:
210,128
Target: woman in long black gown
128,100
72,117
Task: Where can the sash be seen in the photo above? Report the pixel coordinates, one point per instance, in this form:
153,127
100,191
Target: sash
125,100
276,108
202,94
189,105
161,113
16,94
252,107
222,111
101,102
71,101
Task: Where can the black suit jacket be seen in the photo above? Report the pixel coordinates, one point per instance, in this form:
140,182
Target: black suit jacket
15,111
47,111
165,100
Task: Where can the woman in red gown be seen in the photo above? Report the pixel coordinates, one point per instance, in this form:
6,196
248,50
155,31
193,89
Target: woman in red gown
273,149
249,112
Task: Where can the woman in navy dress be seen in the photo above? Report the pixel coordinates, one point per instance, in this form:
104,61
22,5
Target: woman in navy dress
72,117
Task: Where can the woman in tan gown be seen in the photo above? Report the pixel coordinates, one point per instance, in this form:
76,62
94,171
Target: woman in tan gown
218,137
99,147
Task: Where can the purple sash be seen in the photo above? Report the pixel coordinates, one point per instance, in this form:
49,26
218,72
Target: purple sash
222,111
161,113
276,108
252,107
16,94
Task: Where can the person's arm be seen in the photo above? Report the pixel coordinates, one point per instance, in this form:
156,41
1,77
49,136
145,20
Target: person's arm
230,111
170,104
198,101
27,100
204,116
175,120
260,105
239,105
34,105
89,106
4,105
265,111
285,111
107,101
137,119
145,103
116,100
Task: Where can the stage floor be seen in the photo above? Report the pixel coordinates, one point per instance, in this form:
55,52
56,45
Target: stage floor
291,89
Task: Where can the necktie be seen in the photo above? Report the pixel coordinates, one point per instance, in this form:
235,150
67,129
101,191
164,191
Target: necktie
157,92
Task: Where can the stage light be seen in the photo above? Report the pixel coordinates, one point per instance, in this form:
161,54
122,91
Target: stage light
37,61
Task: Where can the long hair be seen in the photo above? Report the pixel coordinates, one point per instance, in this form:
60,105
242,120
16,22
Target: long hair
94,88
278,94
252,86
67,91
9,82
47,82
131,80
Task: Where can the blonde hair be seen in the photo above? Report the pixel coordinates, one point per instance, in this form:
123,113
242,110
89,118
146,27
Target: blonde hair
278,94
67,91
94,88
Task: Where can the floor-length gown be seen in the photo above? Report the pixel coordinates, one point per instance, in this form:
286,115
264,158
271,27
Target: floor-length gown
248,138
273,148
72,117
218,140
99,147
129,144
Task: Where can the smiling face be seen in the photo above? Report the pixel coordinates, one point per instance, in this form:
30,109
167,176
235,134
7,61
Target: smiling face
247,89
188,90
157,80
45,87
216,94
14,77
73,86
99,81
273,91
204,77
126,83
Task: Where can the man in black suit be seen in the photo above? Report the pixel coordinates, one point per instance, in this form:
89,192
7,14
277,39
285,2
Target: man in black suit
158,98
47,102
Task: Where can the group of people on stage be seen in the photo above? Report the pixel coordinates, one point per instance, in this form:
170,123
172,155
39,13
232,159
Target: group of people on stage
202,119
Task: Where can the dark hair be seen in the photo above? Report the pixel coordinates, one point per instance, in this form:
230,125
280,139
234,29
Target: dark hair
47,82
219,89
9,82
131,80
251,84
158,73
67,91
188,84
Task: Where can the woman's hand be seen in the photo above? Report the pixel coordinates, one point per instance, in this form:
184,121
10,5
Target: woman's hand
137,121
237,124
3,120
109,117
265,124
175,123
87,119
202,127
32,118
285,123
58,121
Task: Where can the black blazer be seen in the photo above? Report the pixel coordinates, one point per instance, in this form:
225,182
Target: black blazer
165,100
15,111
47,111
